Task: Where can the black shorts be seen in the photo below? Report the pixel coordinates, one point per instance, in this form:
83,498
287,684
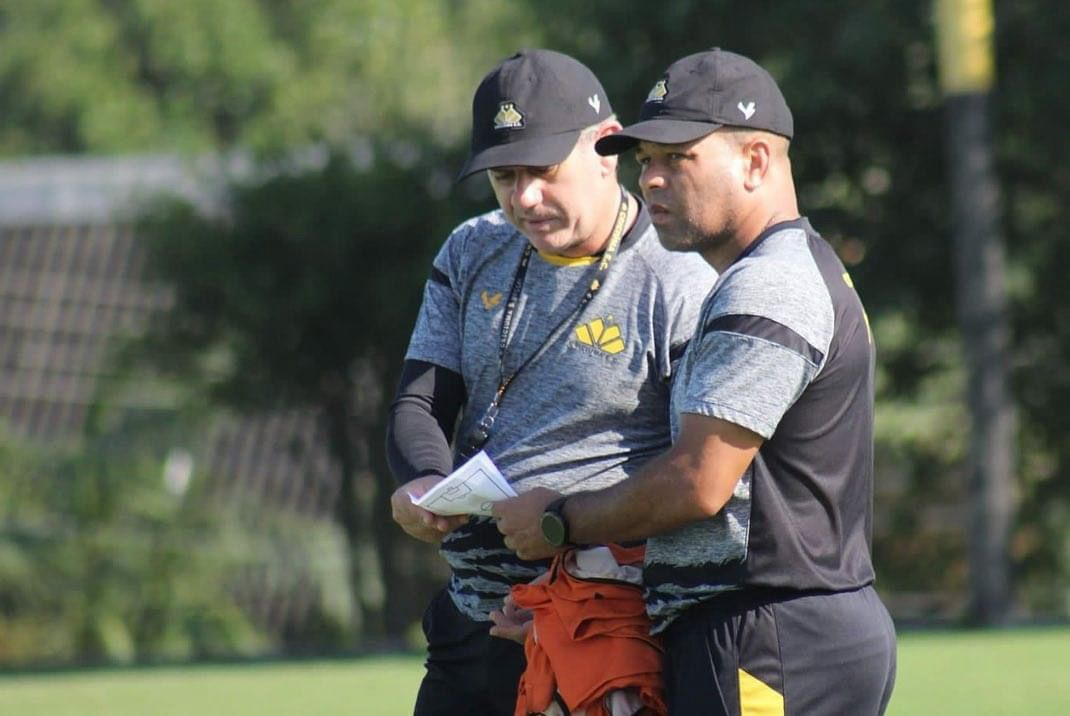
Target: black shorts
773,653
468,670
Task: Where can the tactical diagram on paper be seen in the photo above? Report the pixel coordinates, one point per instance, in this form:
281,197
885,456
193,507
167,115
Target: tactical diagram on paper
471,489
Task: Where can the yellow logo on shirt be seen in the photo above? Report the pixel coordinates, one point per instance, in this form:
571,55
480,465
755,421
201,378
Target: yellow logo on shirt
597,333
489,300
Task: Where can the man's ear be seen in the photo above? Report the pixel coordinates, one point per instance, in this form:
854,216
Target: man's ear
757,158
609,163
610,126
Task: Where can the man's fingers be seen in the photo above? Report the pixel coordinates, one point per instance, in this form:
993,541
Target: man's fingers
448,524
506,628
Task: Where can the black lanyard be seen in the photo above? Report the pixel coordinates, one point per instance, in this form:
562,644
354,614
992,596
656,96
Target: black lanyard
481,433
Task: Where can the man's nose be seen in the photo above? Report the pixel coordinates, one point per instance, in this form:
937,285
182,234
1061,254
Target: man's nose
528,191
651,177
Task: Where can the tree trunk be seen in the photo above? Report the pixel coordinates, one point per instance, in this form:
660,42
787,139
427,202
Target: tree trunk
400,572
981,297
399,592
354,511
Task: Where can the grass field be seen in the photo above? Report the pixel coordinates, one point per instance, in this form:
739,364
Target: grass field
945,673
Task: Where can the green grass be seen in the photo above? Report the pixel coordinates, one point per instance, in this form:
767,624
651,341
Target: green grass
983,673
379,687
947,673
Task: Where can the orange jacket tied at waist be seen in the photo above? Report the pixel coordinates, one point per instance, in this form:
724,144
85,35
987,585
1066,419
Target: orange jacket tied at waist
591,637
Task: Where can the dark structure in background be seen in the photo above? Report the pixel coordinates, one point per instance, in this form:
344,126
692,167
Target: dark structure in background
965,32
69,284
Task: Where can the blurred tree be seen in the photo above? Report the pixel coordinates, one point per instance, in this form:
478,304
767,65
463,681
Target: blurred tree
150,75
1033,162
303,294
101,562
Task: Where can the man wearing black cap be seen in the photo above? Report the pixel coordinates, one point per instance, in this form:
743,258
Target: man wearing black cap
557,322
759,518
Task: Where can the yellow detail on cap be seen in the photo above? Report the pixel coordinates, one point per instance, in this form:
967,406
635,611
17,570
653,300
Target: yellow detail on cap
847,279
964,30
508,117
658,91
758,699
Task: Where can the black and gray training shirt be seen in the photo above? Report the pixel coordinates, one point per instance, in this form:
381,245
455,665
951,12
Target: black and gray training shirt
783,348
590,410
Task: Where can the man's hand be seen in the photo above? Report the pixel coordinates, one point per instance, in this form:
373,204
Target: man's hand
518,519
416,521
511,622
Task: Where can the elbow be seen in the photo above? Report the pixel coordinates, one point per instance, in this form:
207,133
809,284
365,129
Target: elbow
708,503
707,492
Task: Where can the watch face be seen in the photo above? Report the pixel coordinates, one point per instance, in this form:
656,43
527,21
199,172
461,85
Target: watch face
553,529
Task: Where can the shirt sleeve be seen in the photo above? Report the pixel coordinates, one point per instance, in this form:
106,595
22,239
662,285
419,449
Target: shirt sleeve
431,389
421,420
436,338
761,340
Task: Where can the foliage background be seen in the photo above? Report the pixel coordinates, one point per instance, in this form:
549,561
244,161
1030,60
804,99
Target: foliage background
301,289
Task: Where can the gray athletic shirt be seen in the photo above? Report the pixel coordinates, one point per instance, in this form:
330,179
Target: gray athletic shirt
592,408
783,349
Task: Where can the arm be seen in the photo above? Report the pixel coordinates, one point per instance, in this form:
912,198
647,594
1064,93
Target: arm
422,416
428,400
691,481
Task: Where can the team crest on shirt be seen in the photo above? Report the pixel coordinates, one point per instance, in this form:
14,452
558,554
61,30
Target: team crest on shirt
508,117
658,92
601,334
490,300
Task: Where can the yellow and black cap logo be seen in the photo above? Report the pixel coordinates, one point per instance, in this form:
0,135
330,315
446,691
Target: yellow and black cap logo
700,94
508,116
530,109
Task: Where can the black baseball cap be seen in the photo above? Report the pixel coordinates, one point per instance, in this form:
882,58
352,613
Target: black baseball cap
701,93
530,110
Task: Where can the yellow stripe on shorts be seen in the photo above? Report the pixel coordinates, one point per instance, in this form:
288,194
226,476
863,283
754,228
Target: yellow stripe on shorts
758,699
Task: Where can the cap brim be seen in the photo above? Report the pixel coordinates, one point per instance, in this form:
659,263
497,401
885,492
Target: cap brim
661,131
534,152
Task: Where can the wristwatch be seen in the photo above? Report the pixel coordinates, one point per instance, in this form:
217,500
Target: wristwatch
554,525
